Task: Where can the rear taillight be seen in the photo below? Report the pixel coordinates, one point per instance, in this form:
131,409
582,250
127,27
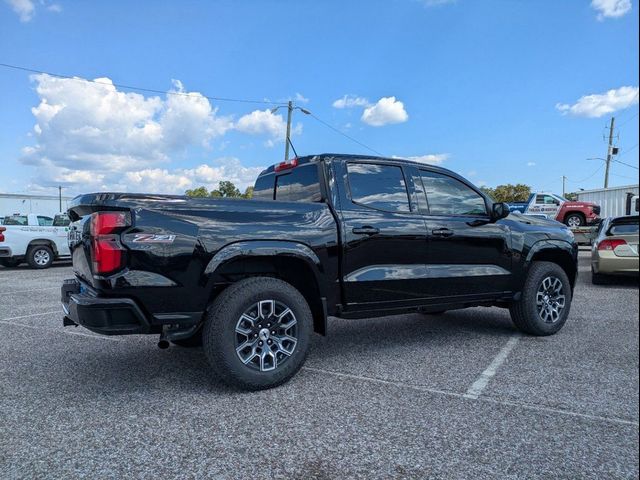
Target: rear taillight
610,244
286,165
108,254
2,229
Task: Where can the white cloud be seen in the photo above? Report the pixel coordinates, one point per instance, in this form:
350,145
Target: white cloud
431,158
91,136
264,122
301,98
386,111
350,101
24,8
531,164
597,105
611,8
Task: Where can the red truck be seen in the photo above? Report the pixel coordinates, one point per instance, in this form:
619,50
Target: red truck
572,214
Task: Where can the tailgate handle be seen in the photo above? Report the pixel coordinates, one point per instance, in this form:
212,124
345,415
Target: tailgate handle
366,230
442,232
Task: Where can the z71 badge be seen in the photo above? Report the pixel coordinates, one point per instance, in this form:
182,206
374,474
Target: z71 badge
151,238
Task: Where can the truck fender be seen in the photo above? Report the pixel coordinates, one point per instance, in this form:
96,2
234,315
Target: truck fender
561,252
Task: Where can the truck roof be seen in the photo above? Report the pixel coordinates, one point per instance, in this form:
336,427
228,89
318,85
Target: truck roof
349,156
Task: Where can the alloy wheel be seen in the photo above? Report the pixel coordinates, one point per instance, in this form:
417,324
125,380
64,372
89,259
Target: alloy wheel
266,335
41,257
550,299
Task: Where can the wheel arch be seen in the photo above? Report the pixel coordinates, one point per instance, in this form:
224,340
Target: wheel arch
293,262
44,241
558,252
574,212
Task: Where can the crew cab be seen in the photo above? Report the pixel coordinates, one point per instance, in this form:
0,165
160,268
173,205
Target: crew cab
33,238
550,205
326,235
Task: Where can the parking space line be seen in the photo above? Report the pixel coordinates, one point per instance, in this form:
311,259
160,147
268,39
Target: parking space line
7,321
30,315
465,397
485,377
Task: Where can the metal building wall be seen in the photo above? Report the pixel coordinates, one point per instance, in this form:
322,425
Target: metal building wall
613,201
47,205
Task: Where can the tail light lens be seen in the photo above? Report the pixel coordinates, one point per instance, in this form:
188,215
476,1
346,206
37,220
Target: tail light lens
2,229
108,254
610,244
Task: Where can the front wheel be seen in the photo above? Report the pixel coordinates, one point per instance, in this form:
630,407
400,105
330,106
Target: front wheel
40,256
544,305
575,220
257,333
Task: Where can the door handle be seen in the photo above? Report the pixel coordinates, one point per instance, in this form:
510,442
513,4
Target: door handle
366,230
442,232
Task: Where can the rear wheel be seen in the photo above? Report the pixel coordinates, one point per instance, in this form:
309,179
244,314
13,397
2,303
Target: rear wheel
257,333
545,302
40,256
575,220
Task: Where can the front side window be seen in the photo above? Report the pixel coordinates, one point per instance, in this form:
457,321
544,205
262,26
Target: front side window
300,184
61,221
45,221
378,186
448,196
546,200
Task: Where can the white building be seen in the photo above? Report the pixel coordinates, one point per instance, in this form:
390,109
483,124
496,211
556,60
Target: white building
612,200
47,205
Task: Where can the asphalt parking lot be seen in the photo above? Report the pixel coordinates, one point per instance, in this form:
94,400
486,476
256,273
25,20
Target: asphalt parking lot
460,395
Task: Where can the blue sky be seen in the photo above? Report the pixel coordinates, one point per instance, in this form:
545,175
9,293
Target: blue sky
499,91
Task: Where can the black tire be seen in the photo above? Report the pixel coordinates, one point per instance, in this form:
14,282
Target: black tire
524,312
575,220
192,342
39,256
10,262
220,337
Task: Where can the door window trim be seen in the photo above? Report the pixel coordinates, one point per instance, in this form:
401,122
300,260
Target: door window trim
463,182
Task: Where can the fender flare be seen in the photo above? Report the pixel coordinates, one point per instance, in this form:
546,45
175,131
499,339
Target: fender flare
268,248
547,244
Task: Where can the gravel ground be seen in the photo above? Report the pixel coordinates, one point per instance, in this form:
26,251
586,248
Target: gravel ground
461,395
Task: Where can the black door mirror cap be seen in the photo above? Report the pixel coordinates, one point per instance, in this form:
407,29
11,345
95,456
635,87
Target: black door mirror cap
499,210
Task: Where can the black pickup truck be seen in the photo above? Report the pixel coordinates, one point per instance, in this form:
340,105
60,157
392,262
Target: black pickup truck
326,235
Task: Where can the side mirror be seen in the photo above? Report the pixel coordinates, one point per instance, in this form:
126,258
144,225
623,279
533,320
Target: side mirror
499,210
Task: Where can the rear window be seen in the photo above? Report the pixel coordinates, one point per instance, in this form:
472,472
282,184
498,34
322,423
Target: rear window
624,227
16,220
300,184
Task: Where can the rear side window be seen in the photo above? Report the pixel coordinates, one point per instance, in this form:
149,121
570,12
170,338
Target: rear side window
16,220
300,184
378,186
448,196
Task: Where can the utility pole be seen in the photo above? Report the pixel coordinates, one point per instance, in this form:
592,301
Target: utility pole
60,197
609,153
286,143
564,179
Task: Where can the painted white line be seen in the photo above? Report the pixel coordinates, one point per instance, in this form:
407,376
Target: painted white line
29,291
483,380
32,315
384,382
465,397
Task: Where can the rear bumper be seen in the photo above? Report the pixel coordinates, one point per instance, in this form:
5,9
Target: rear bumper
610,263
107,316
5,252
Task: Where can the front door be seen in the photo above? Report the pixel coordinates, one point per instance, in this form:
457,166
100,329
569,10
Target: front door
468,254
384,237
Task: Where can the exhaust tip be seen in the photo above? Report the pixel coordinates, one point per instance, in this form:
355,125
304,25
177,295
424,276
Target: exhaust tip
163,344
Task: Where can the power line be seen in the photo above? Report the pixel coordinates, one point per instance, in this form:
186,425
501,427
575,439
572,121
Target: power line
589,177
625,164
628,120
344,134
140,89
627,150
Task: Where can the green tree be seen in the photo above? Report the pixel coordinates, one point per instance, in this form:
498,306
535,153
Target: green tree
227,190
248,193
197,192
509,193
571,196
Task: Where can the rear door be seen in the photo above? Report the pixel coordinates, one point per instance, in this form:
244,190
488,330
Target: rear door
468,254
384,236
